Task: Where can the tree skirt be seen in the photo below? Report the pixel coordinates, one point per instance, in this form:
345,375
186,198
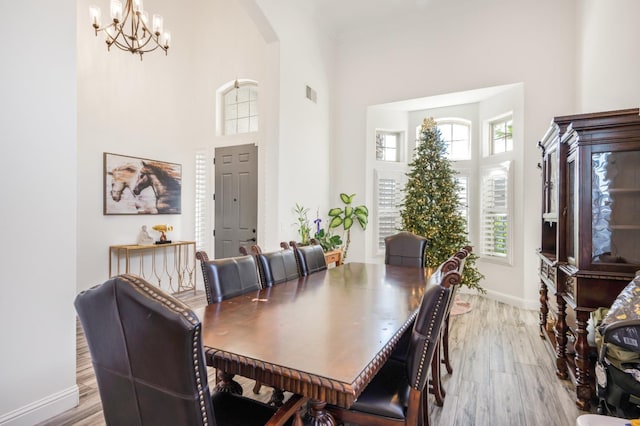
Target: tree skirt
460,306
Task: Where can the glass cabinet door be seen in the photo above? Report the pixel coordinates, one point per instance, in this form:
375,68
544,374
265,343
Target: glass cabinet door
551,185
615,208
571,210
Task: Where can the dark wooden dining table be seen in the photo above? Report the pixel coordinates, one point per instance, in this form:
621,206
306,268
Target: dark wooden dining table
323,336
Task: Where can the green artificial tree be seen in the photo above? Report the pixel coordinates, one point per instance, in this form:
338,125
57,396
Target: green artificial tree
431,206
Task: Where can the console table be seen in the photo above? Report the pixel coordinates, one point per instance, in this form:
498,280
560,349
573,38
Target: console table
172,265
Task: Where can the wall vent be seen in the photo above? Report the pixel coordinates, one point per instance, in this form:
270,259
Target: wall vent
312,95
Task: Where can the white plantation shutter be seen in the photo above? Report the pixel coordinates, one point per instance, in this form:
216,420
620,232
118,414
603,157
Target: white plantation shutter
202,200
495,217
463,196
389,194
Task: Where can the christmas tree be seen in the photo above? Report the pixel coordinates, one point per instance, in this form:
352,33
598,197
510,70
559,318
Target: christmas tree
431,206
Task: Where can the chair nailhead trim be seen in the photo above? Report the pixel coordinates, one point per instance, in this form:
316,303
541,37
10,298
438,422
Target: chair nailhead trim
183,309
428,336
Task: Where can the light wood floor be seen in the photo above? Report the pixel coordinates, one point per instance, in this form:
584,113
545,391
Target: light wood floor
503,374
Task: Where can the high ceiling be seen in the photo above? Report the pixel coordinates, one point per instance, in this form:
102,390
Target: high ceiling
340,17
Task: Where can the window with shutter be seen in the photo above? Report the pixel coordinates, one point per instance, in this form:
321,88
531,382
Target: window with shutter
201,200
463,196
495,217
389,187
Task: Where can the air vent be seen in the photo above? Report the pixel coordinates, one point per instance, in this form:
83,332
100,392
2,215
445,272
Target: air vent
312,95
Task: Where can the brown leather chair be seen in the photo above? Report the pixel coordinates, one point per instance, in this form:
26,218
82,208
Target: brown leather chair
149,361
228,277
310,258
396,395
277,267
460,257
405,249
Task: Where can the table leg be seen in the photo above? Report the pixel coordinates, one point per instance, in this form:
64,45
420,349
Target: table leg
316,414
227,384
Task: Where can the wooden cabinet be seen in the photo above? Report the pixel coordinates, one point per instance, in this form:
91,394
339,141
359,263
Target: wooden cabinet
590,230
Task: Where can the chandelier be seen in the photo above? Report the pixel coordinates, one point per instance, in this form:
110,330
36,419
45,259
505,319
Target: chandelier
129,29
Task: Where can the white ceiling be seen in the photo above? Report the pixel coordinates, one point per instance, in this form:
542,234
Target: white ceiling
339,17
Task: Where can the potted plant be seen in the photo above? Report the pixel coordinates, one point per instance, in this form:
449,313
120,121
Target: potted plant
304,230
346,217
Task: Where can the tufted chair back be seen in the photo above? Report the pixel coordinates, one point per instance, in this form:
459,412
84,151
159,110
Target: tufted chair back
405,249
277,267
310,259
147,354
228,277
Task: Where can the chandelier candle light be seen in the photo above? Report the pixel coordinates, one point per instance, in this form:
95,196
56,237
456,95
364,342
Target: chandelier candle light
133,18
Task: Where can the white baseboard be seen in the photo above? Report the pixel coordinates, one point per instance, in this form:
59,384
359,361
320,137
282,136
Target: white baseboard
532,305
43,409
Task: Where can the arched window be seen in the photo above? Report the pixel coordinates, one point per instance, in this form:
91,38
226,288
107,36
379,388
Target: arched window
457,136
240,108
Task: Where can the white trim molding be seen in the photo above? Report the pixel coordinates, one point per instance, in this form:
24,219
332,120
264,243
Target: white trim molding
43,409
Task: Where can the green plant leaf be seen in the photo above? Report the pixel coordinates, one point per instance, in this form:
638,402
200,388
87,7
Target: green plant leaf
362,220
348,223
348,211
335,222
336,211
346,198
363,210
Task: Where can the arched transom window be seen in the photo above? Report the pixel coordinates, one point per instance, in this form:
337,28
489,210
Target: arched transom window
240,108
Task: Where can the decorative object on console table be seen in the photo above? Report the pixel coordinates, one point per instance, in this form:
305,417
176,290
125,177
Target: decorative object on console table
591,240
144,239
170,266
135,185
163,236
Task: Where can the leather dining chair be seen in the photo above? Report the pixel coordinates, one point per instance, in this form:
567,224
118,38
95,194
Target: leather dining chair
405,249
149,361
274,268
310,258
396,395
461,257
277,267
228,277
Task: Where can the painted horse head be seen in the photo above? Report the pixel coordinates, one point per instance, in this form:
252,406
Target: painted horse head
122,177
165,181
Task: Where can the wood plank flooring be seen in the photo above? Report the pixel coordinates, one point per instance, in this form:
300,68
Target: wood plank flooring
502,373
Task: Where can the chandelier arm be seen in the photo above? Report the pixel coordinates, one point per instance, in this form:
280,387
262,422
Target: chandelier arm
133,42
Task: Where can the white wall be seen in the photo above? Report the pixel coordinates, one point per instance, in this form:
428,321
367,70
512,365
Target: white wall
534,43
150,109
609,58
305,58
38,261
162,108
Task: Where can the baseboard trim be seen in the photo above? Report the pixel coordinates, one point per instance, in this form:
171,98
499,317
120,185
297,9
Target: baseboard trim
43,409
518,302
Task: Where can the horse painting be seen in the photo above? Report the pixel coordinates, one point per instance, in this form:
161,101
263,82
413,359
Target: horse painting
122,177
164,179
